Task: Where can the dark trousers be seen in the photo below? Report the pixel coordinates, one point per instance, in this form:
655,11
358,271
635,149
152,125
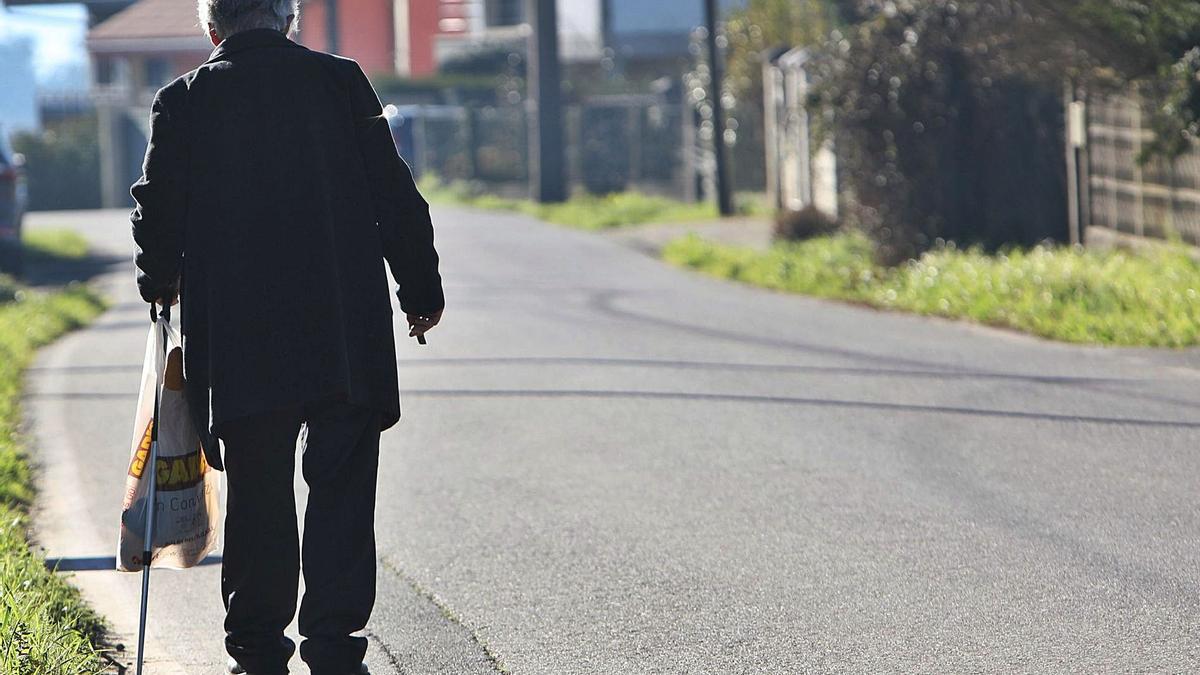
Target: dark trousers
262,555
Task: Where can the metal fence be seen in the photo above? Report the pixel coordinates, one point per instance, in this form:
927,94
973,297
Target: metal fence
613,143
1159,198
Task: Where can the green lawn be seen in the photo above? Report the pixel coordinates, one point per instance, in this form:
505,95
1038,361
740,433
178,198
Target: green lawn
45,628
1147,298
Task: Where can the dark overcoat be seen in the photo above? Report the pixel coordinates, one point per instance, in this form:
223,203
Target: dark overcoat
272,194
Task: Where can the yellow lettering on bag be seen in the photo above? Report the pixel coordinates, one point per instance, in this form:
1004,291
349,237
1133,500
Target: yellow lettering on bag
171,473
182,471
138,464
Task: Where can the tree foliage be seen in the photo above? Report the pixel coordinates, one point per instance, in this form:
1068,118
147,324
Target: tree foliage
1153,42
942,133
763,25
1138,38
750,34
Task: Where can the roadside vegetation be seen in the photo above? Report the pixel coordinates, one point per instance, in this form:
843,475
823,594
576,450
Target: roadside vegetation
947,117
584,211
1148,298
45,627
61,244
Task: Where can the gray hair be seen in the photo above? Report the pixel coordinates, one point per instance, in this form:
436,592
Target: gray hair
234,16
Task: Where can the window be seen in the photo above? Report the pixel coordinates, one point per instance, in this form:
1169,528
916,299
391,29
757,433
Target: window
105,72
505,12
112,70
158,72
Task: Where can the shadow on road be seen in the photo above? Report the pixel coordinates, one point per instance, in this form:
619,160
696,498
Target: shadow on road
102,563
46,270
782,368
605,303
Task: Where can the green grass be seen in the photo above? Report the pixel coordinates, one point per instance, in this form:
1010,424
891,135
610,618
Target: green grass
587,212
1147,298
54,244
45,628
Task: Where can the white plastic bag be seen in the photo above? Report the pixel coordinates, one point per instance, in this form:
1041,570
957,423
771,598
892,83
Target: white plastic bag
188,514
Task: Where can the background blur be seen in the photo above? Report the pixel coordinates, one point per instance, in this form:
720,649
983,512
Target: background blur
987,121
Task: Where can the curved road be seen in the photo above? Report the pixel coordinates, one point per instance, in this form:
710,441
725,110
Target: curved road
608,465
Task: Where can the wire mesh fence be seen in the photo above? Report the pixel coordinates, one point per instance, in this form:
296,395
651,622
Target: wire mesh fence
613,143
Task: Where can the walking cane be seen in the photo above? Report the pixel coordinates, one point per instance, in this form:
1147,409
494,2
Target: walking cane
151,494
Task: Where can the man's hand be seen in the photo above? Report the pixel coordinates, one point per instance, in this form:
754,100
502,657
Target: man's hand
418,324
169,299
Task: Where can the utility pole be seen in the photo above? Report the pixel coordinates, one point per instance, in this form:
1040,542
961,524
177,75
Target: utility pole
331,26
547,170
724,198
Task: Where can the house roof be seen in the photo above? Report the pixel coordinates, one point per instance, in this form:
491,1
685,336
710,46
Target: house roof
150,25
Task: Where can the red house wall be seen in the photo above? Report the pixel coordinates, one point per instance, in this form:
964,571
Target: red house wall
365,32
422,27
428,19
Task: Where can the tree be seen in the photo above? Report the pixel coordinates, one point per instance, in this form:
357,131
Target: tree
944,132
1154,43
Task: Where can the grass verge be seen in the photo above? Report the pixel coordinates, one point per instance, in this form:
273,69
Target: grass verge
45,627
1147,299
587,212
62,244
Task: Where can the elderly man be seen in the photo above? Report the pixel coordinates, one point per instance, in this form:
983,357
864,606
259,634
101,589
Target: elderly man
272,194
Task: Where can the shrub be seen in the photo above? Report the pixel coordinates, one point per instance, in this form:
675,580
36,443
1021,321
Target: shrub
938,137
806,223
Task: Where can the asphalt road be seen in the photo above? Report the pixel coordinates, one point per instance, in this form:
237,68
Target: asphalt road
607,465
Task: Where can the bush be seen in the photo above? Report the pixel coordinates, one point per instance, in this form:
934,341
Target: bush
804,224
938,137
